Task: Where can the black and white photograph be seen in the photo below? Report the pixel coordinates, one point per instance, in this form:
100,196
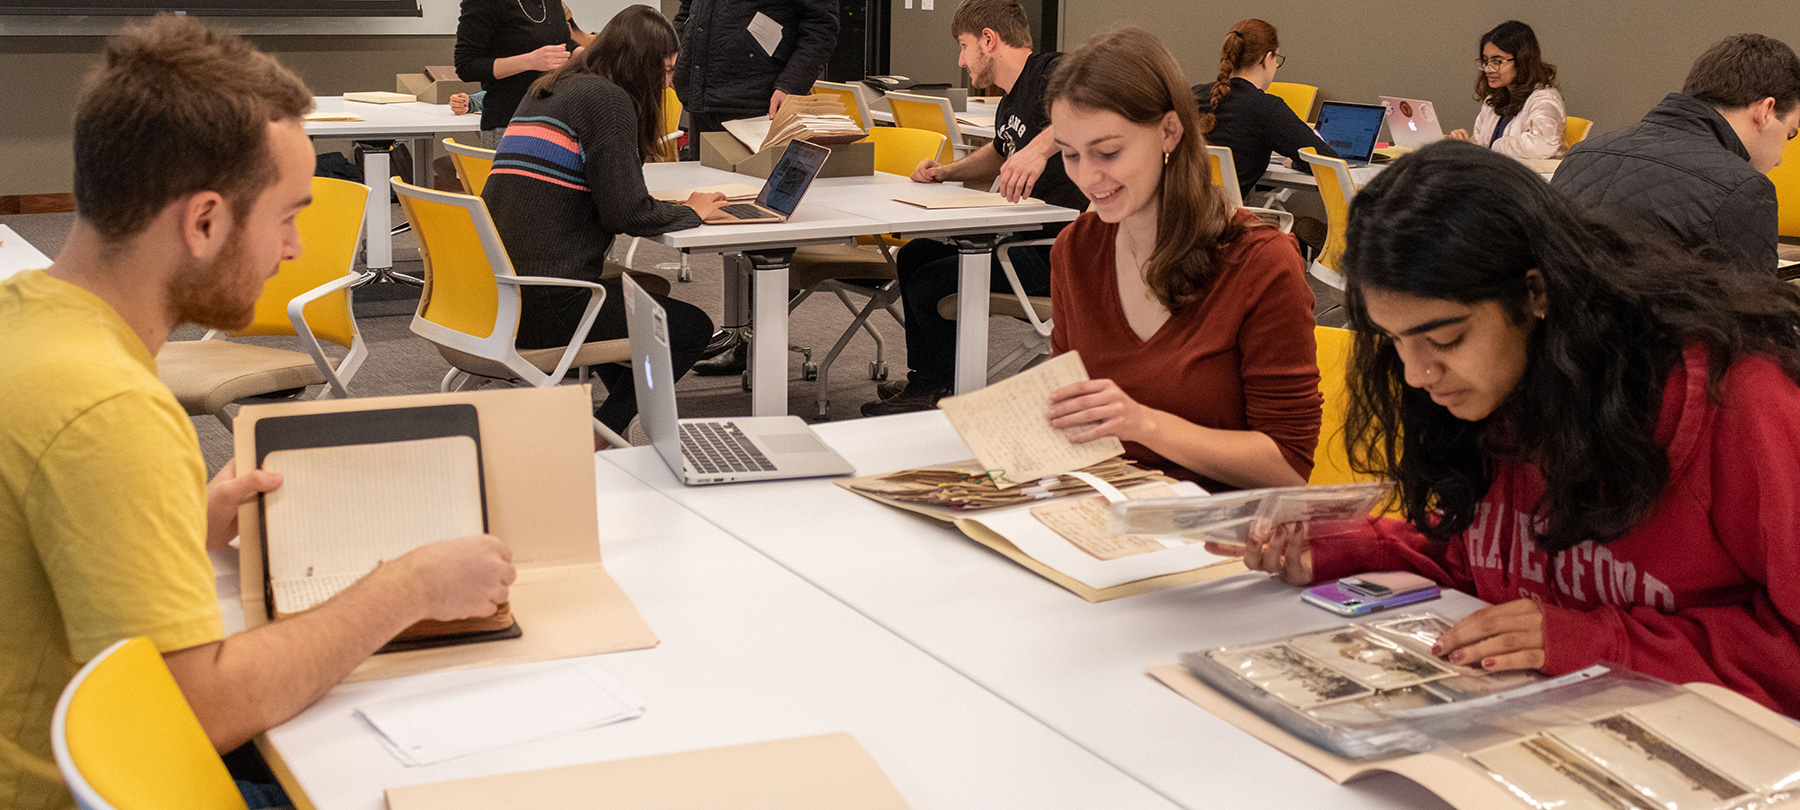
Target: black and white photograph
1370,659
1290,676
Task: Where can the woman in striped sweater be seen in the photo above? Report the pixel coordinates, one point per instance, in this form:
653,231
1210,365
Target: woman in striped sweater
568,178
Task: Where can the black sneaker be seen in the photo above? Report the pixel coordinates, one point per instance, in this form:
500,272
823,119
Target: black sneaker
726,363
890,389
907,401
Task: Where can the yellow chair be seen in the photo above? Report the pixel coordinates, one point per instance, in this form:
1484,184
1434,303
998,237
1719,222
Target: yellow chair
1331,461
932,114
1575,130
1336,188
856,105
671,121
124,737
1299,97
1787,190
473,165
470,305
864,269
309,298
1224,177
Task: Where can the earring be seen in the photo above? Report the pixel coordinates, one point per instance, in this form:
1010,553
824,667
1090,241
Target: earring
1165,158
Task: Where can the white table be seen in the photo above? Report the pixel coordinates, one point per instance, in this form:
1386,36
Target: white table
879,110
380,123
1300,177
835,209
1078,667
749,652
18,255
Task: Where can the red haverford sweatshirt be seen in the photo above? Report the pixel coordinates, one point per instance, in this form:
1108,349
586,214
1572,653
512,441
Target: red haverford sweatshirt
1707,588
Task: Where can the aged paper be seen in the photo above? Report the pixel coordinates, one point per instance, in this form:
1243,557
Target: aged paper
343,510
1082,522
732,191
1008,427
977,199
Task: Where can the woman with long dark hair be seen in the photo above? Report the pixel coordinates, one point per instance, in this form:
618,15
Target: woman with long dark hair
1587,426
1522,112
1193,319
568,178
1237,112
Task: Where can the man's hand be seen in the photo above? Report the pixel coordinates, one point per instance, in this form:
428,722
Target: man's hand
547,58
459,104
1509,635
1019,173
458,579
225,494
929,171
775,102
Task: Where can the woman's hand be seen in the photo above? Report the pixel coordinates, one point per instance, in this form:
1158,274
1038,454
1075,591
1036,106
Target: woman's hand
459,104
1457,134
705,202
547,58
1506,636
1098,409
225,493
1282,550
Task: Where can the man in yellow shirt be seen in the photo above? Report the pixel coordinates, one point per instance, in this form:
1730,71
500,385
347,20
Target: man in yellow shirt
190,166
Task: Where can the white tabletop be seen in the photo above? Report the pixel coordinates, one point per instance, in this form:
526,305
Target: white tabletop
406,120
1078,667
749,652
1281,175
18,255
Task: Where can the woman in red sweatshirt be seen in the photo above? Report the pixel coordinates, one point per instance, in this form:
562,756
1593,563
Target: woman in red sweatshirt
1588,428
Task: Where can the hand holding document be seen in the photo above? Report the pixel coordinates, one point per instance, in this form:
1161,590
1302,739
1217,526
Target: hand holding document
1007,425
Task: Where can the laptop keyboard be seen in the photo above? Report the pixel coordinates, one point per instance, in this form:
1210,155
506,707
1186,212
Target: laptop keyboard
743,210
717,447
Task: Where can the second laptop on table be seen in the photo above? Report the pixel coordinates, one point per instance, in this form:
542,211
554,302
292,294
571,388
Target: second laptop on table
781,194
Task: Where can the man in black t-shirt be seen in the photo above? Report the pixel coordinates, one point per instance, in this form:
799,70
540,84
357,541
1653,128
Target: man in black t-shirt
994,45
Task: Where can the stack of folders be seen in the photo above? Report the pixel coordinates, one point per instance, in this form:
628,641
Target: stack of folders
820,119
1040,499
1362,698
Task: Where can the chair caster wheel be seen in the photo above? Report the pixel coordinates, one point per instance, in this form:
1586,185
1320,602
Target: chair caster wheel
878,371
746,381
809,371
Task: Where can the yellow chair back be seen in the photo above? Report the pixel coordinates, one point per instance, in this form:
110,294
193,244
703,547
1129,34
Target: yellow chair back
125,736
671,121
928,116
473,165
460,291
1787,189
1335,188
1575,130
330,229
1331,461
846,96
900,150
1299,97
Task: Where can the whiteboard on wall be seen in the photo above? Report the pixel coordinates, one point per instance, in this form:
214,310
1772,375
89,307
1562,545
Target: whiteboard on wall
439,19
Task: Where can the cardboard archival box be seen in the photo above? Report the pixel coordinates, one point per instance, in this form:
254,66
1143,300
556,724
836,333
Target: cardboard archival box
434,86
538,472
1442,771
723,151
827,772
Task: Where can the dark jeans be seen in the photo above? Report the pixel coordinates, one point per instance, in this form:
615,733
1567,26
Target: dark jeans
928,273
548,318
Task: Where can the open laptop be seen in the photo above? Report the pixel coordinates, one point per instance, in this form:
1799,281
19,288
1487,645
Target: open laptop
1412,123
1350,129
781,194
713,451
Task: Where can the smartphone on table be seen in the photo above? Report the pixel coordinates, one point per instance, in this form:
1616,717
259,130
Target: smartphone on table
1369,593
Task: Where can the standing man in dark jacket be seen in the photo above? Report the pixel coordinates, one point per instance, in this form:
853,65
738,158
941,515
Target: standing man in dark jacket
1696,165
740,58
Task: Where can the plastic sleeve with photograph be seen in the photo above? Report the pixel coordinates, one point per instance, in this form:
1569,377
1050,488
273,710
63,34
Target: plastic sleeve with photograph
1227,519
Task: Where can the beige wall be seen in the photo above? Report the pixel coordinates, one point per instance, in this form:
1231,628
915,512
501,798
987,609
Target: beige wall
1615,59
44,75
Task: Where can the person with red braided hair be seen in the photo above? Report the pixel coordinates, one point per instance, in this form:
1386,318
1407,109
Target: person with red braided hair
1237,112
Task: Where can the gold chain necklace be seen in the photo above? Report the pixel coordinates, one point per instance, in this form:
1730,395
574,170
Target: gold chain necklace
543,11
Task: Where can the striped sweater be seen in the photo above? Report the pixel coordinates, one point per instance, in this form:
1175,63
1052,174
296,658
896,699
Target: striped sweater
567,179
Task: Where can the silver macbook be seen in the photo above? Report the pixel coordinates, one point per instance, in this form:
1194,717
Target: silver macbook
1412,123
713,451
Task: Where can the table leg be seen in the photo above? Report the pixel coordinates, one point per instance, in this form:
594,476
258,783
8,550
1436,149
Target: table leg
735,303
769,340
378,244
975,257
424,174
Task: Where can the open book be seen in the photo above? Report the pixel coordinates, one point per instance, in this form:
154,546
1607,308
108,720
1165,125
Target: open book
356,495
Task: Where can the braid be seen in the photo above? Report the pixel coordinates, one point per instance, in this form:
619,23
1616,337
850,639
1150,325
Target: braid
1228,59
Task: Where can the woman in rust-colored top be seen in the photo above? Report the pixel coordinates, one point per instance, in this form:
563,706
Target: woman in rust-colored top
1193,319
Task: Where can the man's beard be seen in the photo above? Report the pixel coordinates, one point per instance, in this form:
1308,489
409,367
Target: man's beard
220,295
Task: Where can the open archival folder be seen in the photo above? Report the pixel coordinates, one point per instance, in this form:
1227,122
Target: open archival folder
735,192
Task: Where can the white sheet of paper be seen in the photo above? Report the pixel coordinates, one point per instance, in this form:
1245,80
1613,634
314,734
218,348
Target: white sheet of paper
438,726
17,255
767,32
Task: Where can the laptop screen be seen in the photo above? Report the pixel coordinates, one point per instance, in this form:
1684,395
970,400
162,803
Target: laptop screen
1350,129
798,165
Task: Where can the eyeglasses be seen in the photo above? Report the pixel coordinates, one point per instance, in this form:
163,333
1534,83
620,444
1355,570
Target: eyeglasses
1280,59
1491,63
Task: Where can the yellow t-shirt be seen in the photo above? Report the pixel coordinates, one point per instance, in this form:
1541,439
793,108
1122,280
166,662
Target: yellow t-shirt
102,514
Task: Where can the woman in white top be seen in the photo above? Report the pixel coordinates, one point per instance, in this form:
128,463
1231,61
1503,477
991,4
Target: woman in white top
1522,112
